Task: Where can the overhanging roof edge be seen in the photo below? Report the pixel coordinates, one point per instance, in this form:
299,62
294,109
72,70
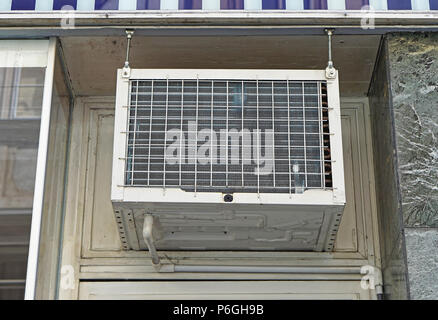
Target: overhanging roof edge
109,23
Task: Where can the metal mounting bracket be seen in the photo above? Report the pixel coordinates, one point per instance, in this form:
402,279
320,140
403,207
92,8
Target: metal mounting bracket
330,71
150,227
126,68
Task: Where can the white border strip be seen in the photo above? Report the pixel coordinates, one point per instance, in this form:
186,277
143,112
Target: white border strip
127,5
38,198
211,5
294,5
5,5
228,74
336,4
85,5
44,5
420,5
131,5
378,5
169,5
253,4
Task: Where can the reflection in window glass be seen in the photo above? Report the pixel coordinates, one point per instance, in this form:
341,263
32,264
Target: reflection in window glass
21,95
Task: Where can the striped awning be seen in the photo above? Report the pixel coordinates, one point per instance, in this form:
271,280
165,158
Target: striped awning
91,5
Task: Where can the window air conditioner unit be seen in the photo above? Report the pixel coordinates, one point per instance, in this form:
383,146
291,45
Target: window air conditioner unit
228,159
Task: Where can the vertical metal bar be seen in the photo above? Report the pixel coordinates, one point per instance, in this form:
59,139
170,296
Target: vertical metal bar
273,135
150,131
242,159
258,139
226,142
323,143
165,134
135,133
304,131
321,140
128,123
196,143
211,134
288,137
181,132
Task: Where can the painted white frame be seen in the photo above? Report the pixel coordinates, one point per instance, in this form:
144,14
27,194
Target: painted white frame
40,177
121,193
168,13
114,264
224,290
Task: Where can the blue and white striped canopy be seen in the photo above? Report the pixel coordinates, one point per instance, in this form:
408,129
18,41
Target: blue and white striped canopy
90,5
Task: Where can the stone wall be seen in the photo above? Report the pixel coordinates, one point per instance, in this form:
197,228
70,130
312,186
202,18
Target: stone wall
413,77
387,184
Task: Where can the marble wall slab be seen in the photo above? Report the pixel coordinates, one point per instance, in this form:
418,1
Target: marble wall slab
413,73
387,182
422,249
413,60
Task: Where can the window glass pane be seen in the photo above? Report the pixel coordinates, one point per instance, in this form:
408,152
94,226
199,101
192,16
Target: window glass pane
190,4
106,5
315,4
399,5
22,94
273,4
356,4
232,4
20,113
54,186
148,4
23,5
22,75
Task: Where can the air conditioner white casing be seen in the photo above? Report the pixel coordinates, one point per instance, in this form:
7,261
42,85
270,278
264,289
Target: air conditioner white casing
200,220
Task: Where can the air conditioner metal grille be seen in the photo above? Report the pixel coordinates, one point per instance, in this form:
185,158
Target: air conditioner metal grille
228,135
228,159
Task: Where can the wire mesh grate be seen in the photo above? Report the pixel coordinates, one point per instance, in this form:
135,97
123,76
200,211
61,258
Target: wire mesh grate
228,136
